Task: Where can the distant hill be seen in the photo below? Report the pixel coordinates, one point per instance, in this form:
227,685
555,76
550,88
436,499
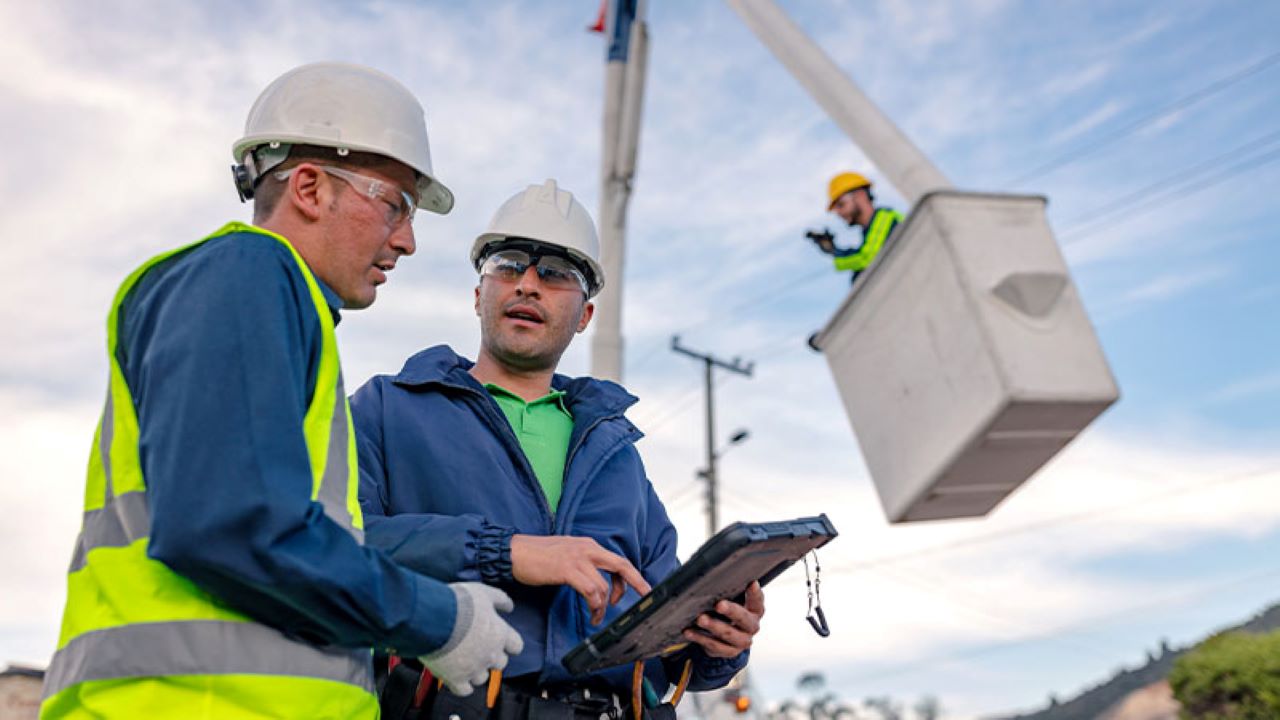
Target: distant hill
1153,702
1096,701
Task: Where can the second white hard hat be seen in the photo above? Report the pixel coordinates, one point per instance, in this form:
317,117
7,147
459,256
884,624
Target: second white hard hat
549,215
342,106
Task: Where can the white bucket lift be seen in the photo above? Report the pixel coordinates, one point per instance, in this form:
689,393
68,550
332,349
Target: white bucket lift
963,354
964,357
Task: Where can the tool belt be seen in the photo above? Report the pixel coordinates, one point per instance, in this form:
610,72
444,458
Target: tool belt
406,693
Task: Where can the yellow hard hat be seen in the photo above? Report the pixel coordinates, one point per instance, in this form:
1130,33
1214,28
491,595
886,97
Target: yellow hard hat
843,183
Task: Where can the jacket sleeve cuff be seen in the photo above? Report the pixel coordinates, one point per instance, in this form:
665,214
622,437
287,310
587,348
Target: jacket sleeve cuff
493,555
431,625
710,673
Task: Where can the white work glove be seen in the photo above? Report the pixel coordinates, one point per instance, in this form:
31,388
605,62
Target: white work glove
480,642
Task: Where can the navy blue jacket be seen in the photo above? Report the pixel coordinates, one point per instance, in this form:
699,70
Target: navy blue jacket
219,346
444,485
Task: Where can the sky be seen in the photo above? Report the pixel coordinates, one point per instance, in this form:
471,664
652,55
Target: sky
1150,128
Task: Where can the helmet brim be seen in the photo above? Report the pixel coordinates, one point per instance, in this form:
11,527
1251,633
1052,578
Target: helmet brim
433,195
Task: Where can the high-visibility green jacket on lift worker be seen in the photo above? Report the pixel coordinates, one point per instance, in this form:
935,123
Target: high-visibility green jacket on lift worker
883,221
138,639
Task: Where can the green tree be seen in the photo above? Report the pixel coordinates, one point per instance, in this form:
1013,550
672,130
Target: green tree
1232,676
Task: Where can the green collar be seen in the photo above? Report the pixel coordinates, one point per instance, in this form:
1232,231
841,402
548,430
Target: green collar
555,396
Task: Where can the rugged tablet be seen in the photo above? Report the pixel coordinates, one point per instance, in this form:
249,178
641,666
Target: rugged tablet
722,568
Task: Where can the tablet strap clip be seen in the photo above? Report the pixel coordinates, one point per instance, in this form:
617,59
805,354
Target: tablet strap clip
817,619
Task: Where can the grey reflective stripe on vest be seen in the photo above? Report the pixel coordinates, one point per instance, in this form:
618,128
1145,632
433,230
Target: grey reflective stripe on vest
201,647
333,483
106,433
124,520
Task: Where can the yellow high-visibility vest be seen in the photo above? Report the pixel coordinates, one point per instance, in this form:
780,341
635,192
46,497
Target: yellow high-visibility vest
882,223
141,641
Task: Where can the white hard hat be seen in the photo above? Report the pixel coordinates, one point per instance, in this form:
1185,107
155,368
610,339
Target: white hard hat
342,106
548,215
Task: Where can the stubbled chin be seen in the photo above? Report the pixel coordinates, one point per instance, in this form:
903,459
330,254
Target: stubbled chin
363,301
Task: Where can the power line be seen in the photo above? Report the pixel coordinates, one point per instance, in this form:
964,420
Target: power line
882,566
782,289
1202,93
1186,181
779,344
1169,189
753,506
1177,192
654,352
770,294
679,496
1097,620
975,605
1188,176
659,416
682,406
1048,522
1189,180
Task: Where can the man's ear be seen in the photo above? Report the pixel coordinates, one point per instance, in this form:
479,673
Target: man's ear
477,303
588,310
308,191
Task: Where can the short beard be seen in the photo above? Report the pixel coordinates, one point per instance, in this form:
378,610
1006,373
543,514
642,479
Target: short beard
520,363
512,359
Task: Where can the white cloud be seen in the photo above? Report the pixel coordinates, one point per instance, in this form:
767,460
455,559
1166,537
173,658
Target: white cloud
1096,117
127,117
1261,384
946,594
1159,288
1167,286
1073,80
42,458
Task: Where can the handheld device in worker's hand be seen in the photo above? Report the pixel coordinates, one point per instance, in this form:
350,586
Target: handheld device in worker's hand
820,237
825,241
722,568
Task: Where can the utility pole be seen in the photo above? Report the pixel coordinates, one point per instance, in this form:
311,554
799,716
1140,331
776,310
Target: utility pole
709,363
626,56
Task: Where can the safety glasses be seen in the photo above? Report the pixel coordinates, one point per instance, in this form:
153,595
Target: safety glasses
555,271
400,204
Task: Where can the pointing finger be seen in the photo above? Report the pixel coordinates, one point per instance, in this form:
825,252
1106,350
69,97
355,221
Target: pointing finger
623,567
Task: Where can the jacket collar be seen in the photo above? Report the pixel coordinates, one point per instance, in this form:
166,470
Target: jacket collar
440,365
332,300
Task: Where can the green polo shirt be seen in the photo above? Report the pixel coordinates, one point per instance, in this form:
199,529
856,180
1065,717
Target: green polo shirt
543,428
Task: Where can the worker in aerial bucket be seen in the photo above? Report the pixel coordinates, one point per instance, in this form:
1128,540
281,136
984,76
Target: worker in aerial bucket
849,196
221,570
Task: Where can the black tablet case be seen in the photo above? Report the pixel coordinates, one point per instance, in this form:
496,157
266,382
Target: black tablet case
722,568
